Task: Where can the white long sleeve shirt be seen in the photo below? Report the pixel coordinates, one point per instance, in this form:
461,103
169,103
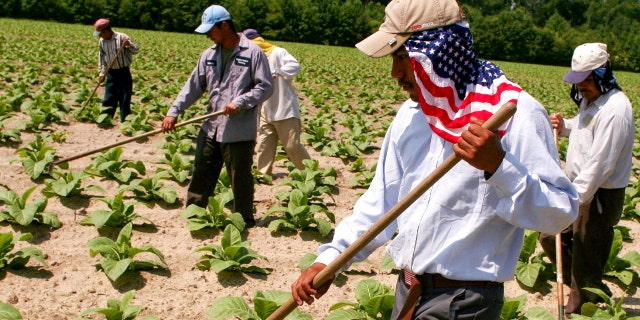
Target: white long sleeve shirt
283,103
464,227
600,148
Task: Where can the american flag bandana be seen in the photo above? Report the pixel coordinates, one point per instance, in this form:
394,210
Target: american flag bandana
453,84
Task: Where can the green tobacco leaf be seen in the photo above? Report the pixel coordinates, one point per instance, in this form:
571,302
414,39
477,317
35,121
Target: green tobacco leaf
264,307
98,218
367,289
231,236
347,315
382,304
625,276
197,225
115,268
102,245
510,309
229,308
306,261
25,254
529,245
633,257
255,269
538,313
527,274
387,263
50,219
324,226
168,195
218,265
23,216
9,312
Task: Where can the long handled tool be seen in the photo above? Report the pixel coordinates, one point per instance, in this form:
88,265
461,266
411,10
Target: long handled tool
504,113
147,134
559,278
105,73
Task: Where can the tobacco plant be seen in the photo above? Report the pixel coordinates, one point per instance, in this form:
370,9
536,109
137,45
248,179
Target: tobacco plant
18,211
35,157
110,166
45,109
214,215
529,269
17,259
311,181
93,113
622,268
631,199
179,164
67,185
119,309
136,124
513,309
8,135
118,256
151,189
300,215
363,176
374,301
264,304
612,309
119,214
231,255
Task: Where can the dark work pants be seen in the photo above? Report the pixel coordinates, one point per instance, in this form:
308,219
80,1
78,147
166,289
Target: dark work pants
452,303
118,92
586,245
210,156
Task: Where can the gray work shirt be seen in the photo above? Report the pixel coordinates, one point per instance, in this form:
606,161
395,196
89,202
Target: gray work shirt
246,81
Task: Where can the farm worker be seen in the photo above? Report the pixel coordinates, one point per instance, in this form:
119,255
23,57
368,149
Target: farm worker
119,85
599,156
235,72
461,239
280,116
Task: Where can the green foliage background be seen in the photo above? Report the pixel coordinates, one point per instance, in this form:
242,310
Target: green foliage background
542,32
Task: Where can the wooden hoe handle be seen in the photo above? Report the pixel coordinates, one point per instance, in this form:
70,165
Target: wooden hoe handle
125,141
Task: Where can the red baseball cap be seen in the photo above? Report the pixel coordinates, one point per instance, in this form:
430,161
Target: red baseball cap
100,25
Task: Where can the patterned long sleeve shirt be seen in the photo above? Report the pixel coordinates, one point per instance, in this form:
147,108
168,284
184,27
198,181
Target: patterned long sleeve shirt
109,48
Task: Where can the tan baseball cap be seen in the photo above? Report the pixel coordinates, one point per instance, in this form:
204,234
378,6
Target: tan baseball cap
403,18
586,58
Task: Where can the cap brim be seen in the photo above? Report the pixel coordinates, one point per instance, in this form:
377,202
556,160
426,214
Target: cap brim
382,43
576,77
97,33
204,28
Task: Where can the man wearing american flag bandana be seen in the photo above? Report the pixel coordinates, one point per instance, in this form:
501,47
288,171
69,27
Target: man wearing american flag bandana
460,241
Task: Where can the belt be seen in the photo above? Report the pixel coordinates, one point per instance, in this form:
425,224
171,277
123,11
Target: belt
436,281
430,281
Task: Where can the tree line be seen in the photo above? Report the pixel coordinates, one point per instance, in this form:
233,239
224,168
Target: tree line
532,31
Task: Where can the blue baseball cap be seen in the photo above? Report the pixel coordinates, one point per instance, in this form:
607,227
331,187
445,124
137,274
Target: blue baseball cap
211,16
